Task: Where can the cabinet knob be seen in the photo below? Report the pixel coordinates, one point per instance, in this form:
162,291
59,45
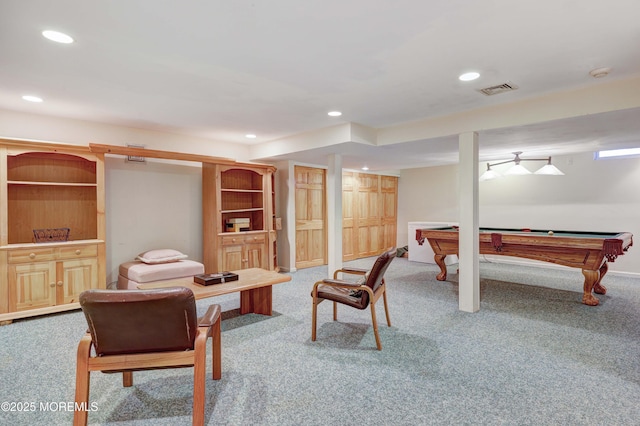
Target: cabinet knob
32,255
59,283
78,251
52,285
233,240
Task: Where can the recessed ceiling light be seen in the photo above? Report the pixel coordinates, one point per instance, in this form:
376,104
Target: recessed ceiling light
32,98
58,37
250,136
469,76
334,114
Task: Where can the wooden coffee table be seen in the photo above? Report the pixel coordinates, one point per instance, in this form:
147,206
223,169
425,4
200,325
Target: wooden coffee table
254,285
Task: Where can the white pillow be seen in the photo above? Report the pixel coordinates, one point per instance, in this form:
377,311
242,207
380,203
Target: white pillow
161,256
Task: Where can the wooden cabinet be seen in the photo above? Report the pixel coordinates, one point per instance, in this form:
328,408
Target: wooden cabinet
238,217
37,282
44,187
243,251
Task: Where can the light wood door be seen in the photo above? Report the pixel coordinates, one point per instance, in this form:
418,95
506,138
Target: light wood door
349,221
389,195
76,276
369,214
231,258
255,256
32,286
311,233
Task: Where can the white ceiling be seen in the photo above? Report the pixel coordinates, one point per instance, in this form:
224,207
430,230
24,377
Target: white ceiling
221,69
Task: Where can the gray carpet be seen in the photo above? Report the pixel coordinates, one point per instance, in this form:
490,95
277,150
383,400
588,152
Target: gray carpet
533,355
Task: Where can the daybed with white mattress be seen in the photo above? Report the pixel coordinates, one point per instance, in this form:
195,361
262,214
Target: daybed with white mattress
155,266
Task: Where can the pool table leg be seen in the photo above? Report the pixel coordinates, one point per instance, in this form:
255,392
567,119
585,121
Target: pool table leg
597,287
439,259
592,282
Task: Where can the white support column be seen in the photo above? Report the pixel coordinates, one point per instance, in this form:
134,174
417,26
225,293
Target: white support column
334,213
469,277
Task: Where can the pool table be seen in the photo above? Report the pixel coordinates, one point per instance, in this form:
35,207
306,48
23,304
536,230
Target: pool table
589,251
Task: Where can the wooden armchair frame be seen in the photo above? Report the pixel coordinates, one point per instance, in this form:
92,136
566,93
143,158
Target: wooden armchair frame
207,326
373,288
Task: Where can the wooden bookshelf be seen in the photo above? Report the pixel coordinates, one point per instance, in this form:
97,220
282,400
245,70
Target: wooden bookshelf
47,186
237,192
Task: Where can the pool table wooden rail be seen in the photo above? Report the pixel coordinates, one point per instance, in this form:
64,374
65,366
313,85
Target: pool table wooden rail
590,253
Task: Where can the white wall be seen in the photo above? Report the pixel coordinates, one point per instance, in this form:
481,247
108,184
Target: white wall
427,194
152,205
594,195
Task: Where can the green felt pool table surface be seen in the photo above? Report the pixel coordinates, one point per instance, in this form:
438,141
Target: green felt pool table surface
567,234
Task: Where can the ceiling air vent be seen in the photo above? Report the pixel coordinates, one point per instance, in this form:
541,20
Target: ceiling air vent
500,88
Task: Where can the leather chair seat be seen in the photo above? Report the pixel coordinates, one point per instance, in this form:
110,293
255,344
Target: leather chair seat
342,295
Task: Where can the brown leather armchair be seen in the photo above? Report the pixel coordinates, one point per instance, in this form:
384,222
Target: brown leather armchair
359,295
146,329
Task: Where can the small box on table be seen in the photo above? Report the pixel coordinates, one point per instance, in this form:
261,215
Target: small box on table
218,278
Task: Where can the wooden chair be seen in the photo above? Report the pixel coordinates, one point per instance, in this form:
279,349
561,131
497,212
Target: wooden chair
358,294
133,330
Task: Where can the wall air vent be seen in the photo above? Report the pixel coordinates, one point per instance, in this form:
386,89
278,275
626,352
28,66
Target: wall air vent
500,88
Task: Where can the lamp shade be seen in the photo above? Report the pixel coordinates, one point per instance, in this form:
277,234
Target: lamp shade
549,169
518,169
490,174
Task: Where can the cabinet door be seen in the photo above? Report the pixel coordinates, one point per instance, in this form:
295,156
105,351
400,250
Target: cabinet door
76,276
243,256
32,285
231,258
254,256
